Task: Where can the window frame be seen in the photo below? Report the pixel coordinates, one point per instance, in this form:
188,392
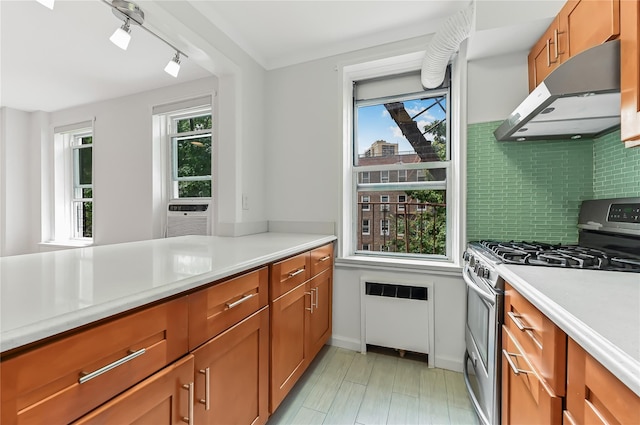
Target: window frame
76,146
456,193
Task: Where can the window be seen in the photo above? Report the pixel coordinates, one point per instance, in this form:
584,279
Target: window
401,201
365,247
365,203
365,227
82,191
402,132
384,227
71,213
190,138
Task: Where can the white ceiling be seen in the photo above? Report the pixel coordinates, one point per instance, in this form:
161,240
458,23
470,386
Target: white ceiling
55,59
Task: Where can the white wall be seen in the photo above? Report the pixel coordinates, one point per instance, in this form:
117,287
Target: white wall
20,181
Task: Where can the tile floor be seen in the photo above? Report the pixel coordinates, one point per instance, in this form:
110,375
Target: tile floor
347,387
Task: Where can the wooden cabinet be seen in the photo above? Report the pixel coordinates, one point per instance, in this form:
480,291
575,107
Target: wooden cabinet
630,71
533,364
164,398
232,374
64,379
545,55
300,318
214,309
594,395
526,397
319,315
579,25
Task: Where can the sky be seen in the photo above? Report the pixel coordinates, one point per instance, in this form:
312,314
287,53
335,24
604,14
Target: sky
375,123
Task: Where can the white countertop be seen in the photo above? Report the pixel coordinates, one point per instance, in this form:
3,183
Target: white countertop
599,310
48,293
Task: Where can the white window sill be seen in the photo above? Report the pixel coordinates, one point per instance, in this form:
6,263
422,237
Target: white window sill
64,244
399,264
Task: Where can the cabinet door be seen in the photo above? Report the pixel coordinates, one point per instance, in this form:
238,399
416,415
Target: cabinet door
526,399
288,351
319,315
630,71
232,373
163,398
545,55
594,395
587,23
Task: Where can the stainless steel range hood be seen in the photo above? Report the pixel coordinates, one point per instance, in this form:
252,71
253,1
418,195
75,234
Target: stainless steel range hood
579,99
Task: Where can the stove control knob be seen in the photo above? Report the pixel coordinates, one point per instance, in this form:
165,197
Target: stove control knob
486,273
465,256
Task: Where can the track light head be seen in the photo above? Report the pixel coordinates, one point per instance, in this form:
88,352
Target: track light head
173,67
122,36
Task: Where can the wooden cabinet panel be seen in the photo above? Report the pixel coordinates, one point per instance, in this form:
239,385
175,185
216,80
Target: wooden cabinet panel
288,351
587,23
43,385
289,273
594,395
319,316
232,374
545,55
160,399
321,259
526,399
214,309
630,71
544,343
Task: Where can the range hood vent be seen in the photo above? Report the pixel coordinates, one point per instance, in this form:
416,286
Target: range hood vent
579,99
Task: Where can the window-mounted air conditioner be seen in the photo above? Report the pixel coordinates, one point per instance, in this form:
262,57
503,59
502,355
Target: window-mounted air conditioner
188,218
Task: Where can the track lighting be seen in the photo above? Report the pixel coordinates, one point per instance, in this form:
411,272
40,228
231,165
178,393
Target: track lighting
122,36
47,3
130,13
173,67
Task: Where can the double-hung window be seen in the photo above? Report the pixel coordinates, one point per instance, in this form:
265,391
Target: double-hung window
82,191
190,152
401,133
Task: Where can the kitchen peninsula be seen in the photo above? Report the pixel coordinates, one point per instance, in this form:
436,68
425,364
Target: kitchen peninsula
142,315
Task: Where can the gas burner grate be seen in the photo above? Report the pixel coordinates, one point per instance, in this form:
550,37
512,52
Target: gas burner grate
550,255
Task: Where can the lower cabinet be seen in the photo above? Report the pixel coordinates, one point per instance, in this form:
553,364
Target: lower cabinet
232,374
319,314
526,398
164,398
288,351
594,395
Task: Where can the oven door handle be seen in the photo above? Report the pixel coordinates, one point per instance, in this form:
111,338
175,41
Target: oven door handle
490,298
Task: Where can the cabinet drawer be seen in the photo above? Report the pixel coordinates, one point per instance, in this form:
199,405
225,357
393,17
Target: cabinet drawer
214,309
526,396
544,342
61,381
321,259
289,273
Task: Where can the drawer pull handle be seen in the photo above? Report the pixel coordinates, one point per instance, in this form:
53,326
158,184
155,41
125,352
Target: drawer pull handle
241,300
325,258
296,273
89,376
189,419
311,303
512,365
517,319
207,381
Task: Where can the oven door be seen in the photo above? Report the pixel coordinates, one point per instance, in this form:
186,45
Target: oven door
480,363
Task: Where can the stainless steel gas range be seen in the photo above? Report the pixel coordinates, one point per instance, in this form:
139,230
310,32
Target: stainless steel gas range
608,239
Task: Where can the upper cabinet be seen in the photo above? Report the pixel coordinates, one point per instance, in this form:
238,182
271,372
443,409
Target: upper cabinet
630,71
580,24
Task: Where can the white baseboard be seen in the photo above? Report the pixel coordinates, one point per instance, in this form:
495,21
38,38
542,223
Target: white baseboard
449,363
346,343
